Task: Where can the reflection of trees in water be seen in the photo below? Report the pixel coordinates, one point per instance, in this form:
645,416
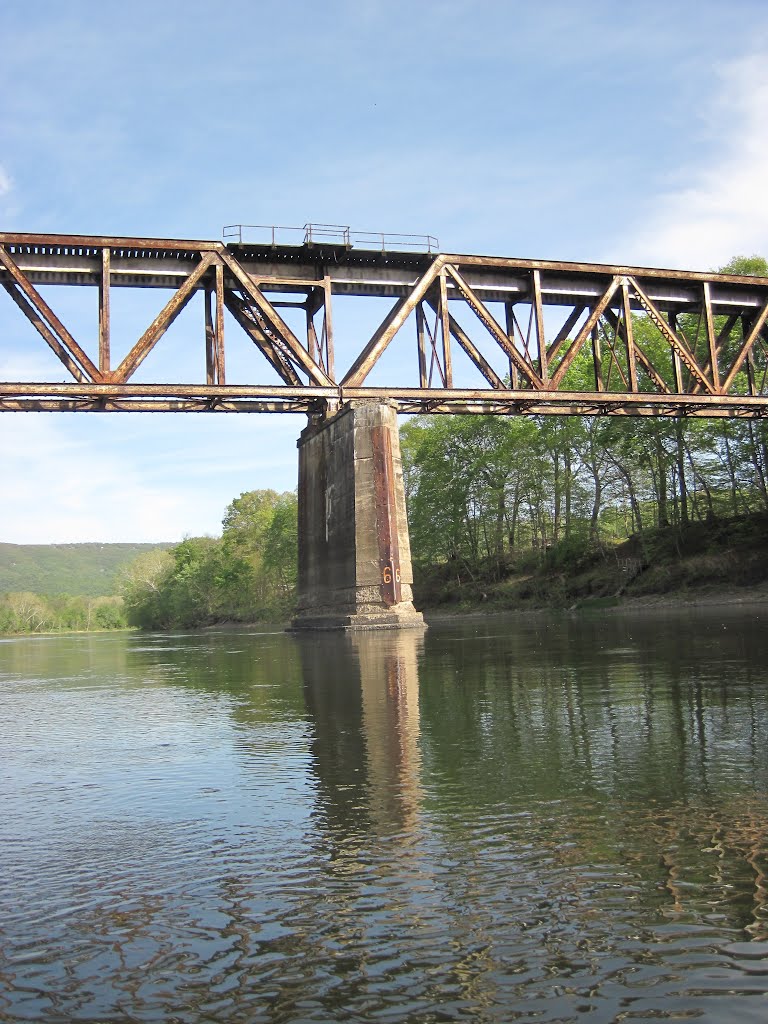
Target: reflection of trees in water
67,657
260,672
131,932
712,860
593,707
636,741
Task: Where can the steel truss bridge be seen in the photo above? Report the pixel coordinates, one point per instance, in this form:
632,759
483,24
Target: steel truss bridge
526,326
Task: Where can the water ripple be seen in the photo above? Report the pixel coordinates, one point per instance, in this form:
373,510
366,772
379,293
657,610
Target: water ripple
246,830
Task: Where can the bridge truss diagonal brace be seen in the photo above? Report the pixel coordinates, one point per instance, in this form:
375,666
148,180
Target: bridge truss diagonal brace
162,322
489,322
635,353
727,375
678,346
469,347
754,333
389,327
586,330
274,355
48,325
565,330
298,353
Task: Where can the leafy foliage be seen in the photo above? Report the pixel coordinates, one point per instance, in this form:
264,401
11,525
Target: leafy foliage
248,574
486,494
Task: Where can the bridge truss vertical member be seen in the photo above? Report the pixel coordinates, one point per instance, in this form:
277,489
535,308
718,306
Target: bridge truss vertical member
104,314
537,314
320,344
214,328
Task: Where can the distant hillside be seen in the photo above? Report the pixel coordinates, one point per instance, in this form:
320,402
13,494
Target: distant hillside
87,570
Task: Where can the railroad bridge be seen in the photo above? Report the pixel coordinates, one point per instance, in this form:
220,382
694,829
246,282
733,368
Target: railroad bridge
459,334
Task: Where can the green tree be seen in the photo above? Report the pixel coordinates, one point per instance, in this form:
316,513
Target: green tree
143,586
247,574
281,550
260,532
193,587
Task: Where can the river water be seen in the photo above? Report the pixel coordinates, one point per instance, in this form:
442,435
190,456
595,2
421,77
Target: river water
501,820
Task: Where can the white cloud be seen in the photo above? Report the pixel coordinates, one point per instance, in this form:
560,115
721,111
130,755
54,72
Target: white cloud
57,488
719,209
134,477
6,184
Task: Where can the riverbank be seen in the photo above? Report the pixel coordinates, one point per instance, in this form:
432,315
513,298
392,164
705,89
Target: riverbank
718,562
746,598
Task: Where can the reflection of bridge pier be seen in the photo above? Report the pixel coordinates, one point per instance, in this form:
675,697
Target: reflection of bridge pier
354,550
389,683
363,694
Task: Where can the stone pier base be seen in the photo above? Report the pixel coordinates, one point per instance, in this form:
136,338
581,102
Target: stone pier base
354,550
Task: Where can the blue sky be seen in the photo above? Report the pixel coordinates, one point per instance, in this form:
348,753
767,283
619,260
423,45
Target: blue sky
591,131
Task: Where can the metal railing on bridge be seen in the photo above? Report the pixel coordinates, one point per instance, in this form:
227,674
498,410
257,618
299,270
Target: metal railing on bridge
330,235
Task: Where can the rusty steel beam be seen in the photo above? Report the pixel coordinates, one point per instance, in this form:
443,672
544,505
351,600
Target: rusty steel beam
391,325
216,398
629,334
711,337
214,329
573,349
46,333
421,326
104,313
268,345
147,262
288,338
575,311
470,348
537,309
679,346
445,329
161,323
299,255
746,349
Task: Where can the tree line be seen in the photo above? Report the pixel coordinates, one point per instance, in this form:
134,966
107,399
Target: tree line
26,612
247,574
486,493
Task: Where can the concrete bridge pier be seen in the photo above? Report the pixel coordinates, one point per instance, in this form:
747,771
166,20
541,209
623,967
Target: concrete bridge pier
354,549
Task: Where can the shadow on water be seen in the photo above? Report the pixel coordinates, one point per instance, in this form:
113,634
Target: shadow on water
541,819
